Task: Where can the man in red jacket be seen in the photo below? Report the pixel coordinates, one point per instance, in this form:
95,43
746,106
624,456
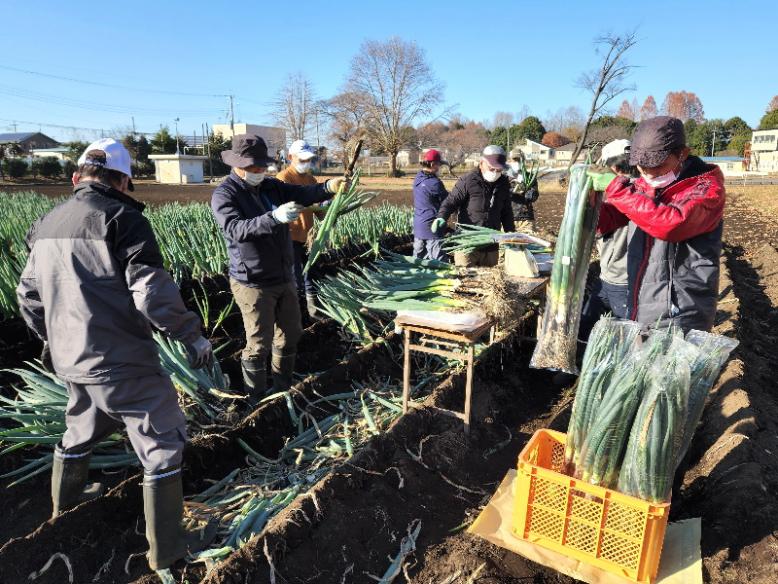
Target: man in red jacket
674,211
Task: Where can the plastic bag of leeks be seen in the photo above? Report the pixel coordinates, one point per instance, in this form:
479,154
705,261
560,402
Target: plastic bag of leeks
556,347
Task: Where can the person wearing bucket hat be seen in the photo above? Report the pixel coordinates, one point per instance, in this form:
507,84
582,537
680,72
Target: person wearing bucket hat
254,212
674,211
299,173
481,197
428,194
93,287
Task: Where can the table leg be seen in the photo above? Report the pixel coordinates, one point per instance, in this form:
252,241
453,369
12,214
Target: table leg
469,386
406,370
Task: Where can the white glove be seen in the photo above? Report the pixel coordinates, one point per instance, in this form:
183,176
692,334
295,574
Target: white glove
287,212
200,353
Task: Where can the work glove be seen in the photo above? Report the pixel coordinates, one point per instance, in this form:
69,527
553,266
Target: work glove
287,212
437,224
601,180
46,357
199,353
333,185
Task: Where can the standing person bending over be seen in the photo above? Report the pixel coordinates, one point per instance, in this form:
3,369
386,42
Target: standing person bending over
481,197
254,212
428,194
299,172
93,287
674,211
609,290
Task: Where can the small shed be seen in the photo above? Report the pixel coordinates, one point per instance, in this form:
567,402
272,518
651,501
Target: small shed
178,169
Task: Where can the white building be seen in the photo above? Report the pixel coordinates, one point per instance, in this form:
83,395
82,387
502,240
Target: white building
536,151
552,156
275,138
59,153
729,165
764,151
178,169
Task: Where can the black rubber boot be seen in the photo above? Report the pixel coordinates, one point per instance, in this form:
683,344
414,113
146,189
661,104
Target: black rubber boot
283,368
254,379
163,505
69,472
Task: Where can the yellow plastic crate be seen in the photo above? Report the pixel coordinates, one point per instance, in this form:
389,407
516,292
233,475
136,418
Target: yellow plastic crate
617,533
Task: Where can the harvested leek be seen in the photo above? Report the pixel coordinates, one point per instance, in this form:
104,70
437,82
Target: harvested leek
557,343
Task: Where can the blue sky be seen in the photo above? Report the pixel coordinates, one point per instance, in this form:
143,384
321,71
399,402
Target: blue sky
491,57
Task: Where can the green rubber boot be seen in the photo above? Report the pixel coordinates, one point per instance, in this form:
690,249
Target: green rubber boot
254,379
163,505
69,473
283,368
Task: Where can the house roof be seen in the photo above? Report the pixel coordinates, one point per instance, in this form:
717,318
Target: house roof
15,136
567,147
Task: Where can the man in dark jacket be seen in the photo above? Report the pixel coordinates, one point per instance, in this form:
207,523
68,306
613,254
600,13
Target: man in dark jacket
674,211
254,212
428,194
92,288
481,197
522,195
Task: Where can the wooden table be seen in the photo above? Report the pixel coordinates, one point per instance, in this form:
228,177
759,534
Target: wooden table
461,345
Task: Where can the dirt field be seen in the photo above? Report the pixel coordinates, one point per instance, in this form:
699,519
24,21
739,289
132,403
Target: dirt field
423,469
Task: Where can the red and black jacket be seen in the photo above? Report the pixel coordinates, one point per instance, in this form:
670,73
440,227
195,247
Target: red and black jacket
674,244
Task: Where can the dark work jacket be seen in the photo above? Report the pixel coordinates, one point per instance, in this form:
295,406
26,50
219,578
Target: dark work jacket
428,194
479,202
94,284
259,247
521,203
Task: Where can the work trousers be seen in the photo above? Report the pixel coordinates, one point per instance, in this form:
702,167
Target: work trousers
271,317
602,299
304,282
429,249
146,406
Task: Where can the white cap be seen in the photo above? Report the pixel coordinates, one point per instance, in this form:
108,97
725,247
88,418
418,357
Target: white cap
116,155
614,149
302,150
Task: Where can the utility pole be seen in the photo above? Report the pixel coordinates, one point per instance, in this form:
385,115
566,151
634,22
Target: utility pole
713,145
232,113
133,126
176,121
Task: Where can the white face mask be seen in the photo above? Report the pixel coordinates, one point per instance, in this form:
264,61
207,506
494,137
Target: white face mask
491,176
515,166
302,167
253,178
660,182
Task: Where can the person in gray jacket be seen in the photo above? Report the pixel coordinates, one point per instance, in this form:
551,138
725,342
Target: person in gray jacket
608,293
93,288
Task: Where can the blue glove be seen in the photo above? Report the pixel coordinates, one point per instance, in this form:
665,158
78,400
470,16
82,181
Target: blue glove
287,212
437,224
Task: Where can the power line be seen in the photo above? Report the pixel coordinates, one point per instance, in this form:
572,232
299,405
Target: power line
111,85
77,103
62,127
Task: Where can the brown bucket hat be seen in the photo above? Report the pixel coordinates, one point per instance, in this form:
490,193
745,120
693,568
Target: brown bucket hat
655,139
247,151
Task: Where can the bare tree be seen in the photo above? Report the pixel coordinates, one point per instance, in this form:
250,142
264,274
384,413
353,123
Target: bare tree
294,106
345,112
607,82
503,120
395,86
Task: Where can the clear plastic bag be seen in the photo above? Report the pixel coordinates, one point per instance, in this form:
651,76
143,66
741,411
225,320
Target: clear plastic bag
610,342
557,343
656,434
714,350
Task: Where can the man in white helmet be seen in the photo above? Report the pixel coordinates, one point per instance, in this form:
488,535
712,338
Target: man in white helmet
609,291
481,197
93,287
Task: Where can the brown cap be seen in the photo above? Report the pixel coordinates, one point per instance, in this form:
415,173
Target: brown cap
247,151
655,139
